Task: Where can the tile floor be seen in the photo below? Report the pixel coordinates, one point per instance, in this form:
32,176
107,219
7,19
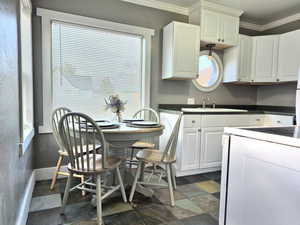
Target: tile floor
197,203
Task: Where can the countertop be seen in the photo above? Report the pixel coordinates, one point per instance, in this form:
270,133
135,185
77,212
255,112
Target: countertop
252,109
281,135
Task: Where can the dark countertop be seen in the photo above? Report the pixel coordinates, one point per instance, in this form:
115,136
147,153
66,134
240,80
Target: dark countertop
282,131
252,109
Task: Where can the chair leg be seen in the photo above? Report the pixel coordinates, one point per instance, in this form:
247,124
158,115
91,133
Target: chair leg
131,158
135,181
168,168
99,200
58,165
121,185
67,192
173,176
141,177
82,181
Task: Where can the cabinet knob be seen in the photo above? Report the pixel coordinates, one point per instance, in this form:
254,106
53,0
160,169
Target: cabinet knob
257,120
277,79
219,40
199,130
193,121
223,40
278,121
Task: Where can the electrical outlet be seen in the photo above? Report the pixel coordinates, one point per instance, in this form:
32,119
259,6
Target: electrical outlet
191,101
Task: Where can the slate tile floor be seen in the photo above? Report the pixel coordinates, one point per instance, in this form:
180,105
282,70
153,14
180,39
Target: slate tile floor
197,203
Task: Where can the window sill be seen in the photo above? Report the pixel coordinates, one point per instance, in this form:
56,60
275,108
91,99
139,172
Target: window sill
28,136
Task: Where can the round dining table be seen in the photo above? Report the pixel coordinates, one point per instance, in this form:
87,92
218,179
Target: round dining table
122,138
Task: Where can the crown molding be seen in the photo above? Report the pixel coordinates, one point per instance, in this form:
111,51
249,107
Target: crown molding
186,11
251,26
160,5
271,25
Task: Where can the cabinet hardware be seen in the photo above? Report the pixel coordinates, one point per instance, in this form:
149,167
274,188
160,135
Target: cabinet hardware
219,40
193,121
199,130
278,121
223,40
257,119
277,80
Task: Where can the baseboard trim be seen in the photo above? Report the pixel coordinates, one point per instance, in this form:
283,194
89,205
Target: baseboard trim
25,202
47,173
197,171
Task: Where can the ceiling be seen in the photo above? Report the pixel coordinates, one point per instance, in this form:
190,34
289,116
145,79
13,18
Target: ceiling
255,11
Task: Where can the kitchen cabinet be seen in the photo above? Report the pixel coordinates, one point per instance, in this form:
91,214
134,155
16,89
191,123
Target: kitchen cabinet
181,47
191,153
219,24
211,147
288,56
238,61
199,147
219,28
265,58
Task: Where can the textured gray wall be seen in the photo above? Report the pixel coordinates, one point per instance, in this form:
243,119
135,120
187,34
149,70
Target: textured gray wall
14,170
162,91
283,95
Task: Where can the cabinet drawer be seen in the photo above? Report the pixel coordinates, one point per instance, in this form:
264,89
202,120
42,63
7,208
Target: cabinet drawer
191,121
278,120
231,120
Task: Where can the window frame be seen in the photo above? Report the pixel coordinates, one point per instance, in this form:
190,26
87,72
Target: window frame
220,70
26,134
48,16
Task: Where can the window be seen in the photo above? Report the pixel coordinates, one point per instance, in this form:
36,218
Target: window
26,77
85,60
210,72
89,64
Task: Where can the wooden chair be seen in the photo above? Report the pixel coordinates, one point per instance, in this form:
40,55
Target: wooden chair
56,116
152,115
80,136
156,157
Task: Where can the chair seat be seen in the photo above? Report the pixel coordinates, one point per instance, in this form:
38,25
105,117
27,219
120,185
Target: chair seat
84,150
111,163
152,156
140,144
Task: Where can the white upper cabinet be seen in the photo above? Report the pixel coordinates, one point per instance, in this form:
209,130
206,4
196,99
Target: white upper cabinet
289,56
265,58
219,24
238,61
181,47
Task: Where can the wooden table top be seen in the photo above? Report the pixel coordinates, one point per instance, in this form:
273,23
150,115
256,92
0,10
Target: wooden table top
124,129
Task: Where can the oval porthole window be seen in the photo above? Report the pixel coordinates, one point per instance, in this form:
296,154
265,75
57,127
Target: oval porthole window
210,72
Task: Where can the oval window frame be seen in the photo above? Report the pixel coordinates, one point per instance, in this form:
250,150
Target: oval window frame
218,60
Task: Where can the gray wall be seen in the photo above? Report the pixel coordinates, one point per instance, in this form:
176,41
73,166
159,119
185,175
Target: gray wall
283,95
14,170
161,91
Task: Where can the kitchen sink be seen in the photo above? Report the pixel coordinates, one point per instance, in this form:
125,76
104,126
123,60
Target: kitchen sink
211,110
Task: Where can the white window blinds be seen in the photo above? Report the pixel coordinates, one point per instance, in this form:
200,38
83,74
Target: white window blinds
89,64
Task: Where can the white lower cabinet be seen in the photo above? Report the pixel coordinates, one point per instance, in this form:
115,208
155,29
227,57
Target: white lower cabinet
199,147
191,152
211,147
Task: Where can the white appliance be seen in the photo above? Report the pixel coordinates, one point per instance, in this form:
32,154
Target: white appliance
298,101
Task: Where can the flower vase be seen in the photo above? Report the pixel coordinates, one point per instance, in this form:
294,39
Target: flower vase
119,116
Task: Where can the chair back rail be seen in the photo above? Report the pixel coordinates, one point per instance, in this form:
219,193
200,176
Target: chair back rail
147,113
81,138
169,153
56,116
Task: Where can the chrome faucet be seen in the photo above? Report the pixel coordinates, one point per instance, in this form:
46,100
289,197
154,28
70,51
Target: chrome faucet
205,100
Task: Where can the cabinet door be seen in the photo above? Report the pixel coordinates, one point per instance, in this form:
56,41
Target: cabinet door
191,149
288,57
211,147
210,26
229,31
186,50
265,58
245,68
